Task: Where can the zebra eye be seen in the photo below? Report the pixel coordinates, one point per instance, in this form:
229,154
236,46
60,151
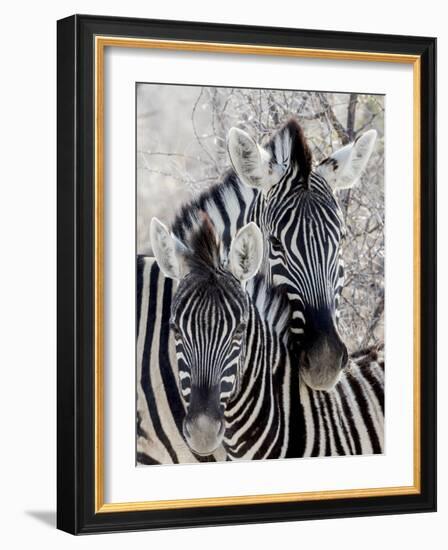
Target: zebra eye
276,244
176,332
239,331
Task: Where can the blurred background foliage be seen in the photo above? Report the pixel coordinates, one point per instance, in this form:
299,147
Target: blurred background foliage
181,151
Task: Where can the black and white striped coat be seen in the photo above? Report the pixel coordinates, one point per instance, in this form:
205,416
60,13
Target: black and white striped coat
349,420
233,203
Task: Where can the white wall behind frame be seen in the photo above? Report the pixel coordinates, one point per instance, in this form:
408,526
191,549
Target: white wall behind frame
27,229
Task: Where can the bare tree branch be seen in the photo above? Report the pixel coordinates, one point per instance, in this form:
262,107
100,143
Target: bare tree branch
340,130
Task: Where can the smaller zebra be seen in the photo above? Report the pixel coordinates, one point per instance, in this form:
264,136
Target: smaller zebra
235,377
233,363
160,407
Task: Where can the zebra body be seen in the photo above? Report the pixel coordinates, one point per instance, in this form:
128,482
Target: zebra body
347,420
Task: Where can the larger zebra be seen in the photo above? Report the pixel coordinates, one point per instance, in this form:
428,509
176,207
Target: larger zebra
302,224
307,263
234,365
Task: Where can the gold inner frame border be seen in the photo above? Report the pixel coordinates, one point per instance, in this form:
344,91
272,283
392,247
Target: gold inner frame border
101,42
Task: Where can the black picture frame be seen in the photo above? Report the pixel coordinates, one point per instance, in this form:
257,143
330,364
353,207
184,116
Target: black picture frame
76,511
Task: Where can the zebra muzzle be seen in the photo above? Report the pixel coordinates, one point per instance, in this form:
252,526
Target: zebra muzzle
203,433
321,365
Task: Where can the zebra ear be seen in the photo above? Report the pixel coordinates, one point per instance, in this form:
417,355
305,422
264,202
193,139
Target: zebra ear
246,252
250,161
168,250
343,169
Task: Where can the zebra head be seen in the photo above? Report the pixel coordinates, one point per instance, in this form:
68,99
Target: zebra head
208,318
303,223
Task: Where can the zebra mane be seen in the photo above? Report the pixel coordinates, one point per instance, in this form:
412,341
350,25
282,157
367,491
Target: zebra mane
290,143
202,254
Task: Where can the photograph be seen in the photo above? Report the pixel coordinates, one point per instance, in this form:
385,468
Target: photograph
260,295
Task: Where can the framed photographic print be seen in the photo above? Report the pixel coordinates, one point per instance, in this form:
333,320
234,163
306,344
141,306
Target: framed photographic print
246,274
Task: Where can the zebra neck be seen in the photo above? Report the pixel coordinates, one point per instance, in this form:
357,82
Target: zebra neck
256,417
258,333
265,350
230,204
